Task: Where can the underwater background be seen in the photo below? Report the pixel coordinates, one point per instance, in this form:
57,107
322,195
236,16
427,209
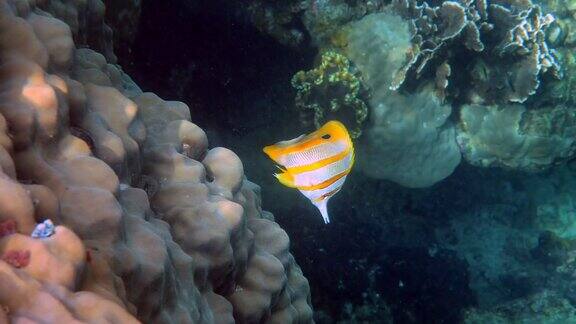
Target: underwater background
131,137
417,235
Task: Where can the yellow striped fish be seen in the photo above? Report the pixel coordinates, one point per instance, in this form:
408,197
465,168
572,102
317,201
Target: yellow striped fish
316,164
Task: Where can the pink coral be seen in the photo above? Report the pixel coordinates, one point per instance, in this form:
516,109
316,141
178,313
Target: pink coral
7,227
17,258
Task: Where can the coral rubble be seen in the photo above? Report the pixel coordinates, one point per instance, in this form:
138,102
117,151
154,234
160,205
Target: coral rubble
151,225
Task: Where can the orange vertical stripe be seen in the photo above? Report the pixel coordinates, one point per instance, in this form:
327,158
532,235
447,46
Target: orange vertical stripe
325,183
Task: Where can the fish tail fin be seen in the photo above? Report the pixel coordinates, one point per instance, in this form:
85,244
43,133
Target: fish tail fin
323,207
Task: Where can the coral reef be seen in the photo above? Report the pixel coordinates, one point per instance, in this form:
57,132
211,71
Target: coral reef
544,307
324,18
495,249
377,45
560,35
409,138
504,41
410,141
77,139
277,19
292,22
331,91
483,238
463,52
553,250
507,36
516,231
511,136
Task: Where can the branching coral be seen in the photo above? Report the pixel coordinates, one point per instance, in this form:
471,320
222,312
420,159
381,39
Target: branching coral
508,35
497,50
331,91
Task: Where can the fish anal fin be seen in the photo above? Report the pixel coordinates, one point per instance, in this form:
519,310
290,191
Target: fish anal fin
281,168
322,206
286,179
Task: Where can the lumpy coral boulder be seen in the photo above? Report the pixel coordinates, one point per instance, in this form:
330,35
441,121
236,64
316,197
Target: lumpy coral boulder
150,224
408,139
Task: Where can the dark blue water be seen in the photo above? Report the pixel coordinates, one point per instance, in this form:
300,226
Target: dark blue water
473,245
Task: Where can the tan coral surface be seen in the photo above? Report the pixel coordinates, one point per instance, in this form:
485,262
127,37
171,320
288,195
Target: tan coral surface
153,226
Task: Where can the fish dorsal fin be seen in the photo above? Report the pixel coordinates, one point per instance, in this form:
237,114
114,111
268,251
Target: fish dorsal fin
322,206
291,141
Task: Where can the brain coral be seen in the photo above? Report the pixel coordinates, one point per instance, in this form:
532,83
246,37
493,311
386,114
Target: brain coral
152,225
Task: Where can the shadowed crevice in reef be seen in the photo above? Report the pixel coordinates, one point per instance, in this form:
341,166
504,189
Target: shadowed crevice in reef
236,81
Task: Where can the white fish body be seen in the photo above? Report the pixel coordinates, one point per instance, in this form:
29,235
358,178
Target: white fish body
316,164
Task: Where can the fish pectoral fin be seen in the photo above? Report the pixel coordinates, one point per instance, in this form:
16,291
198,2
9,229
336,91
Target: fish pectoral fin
286,179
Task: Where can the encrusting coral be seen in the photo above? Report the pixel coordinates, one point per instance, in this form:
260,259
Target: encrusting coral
331,91
512,137
76,137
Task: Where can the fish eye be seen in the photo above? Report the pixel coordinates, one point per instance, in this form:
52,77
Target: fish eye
326,136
